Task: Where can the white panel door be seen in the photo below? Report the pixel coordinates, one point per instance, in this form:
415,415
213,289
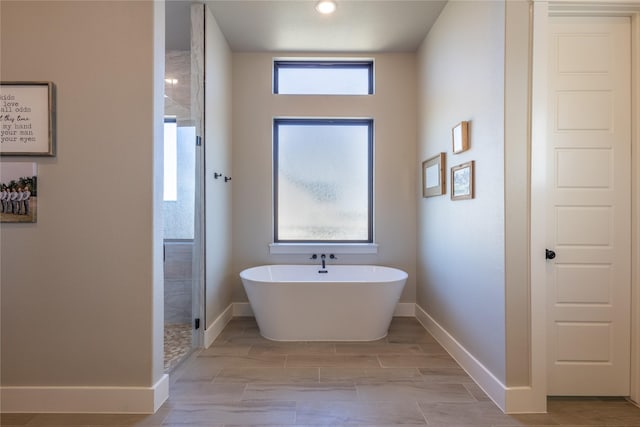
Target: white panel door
589,208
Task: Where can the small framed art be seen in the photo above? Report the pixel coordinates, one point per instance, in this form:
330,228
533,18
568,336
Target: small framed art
460,137
462,186
433,176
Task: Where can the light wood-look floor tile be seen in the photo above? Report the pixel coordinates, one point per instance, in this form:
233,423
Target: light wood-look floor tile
331,360
245,412
206,392
301,392
265,361
378,348
369,375
455,375
477,414
76,420
15,419
227,350
413,391
367,413
610,412
280,348
417,361
268,375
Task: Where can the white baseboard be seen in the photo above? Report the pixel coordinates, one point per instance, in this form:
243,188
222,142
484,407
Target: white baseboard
212,332
95,400
403,309
512,400
480,374
242,309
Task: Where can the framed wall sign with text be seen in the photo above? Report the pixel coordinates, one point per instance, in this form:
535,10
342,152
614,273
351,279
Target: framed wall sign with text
27,119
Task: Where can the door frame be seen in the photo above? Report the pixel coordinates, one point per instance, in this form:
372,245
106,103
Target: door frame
541,11
198,297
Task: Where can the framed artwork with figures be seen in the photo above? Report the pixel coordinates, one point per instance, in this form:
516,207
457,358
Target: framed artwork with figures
18,192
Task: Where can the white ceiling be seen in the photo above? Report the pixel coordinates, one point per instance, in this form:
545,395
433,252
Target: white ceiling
295,26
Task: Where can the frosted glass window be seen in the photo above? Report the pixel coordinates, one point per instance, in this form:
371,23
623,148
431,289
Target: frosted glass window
323,78
179,212
323,180
170,161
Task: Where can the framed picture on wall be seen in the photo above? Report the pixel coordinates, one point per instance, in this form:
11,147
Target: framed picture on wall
18,192
460,137
27,119
462,186
433,176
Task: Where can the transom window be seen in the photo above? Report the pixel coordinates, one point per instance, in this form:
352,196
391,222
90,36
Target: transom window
323,77
323,180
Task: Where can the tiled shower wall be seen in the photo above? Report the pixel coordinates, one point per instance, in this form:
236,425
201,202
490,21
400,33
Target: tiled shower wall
178,282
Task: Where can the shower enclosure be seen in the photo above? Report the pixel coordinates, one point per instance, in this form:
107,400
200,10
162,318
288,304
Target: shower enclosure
183,165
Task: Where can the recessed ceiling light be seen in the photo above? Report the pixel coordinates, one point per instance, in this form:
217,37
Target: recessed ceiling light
326,6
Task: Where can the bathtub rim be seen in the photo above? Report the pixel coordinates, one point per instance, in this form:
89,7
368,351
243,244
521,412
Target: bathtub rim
402,275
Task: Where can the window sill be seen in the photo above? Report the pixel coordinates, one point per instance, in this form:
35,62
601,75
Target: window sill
328,248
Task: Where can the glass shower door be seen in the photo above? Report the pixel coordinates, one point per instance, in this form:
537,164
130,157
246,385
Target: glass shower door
182,180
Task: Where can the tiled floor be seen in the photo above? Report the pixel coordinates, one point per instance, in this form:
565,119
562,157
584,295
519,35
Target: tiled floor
177,344
405,379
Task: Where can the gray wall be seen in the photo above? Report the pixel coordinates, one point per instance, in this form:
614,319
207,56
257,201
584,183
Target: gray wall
393,108
473,256
82,288
461,250
217,159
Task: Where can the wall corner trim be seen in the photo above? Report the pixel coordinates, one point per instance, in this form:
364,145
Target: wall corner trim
511,400
85,399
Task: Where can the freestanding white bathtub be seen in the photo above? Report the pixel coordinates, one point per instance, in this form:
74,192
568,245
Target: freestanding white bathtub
345,303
